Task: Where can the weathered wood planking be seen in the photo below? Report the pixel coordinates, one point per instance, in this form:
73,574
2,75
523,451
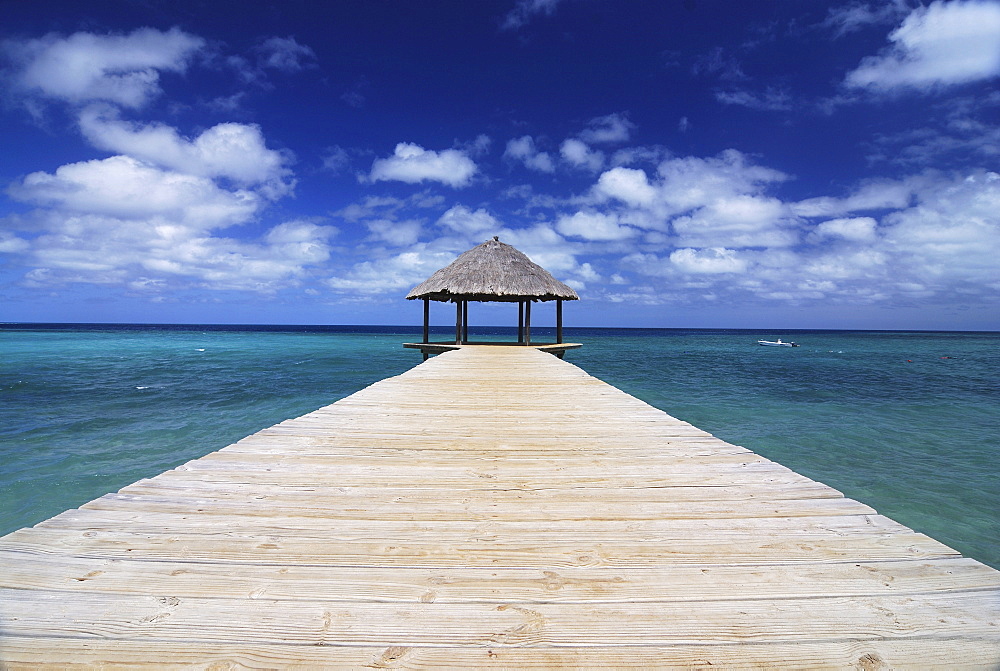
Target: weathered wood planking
494,507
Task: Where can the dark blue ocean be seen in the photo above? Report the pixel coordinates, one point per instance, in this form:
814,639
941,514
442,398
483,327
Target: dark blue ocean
906,422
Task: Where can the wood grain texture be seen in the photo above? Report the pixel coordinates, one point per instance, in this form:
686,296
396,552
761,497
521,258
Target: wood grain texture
493,507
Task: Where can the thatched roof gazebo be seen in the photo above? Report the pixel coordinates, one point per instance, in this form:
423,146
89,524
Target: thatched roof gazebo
493,271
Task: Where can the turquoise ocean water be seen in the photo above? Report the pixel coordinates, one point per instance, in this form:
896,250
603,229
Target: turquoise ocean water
906,422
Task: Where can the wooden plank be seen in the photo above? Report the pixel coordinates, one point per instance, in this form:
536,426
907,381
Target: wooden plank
421,448
383,442
864,654
633,529
490,585
272,621
421,494
479,508
486,477
746,549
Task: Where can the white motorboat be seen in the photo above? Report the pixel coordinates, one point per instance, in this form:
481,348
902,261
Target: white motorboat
777,343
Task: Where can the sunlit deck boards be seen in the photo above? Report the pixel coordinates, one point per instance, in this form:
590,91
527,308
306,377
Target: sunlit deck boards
491,507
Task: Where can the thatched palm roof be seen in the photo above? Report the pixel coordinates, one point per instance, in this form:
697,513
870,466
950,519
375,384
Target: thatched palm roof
493,271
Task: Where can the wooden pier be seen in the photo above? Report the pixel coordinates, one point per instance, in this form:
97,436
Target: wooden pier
493,507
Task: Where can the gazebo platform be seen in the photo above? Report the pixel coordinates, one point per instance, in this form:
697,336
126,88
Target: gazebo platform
427,348
493,507
493,272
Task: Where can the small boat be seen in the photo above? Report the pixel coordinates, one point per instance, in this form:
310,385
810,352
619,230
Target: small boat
777,343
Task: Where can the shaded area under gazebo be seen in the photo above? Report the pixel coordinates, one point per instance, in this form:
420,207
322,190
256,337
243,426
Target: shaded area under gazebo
491,272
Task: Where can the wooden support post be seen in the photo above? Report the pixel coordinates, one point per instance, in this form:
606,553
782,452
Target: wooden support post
559,333
520,322
458,322
527,323
465,321
427,320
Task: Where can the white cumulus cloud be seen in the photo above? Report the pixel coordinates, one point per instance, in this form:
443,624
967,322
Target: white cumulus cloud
713,260
858,229
123,221
156,253
523,149
594,226
396,233
84,67
234,151
397,273
953,232
942,44
578,154
461,219
690,182
124,187
413,164
629,185
11,244
737,221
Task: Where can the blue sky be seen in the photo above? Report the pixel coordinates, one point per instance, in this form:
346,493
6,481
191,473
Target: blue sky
681,164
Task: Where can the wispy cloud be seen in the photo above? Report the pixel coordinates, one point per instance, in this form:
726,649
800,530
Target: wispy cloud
770,100
855,16
720,63
611,129
285,54
526,10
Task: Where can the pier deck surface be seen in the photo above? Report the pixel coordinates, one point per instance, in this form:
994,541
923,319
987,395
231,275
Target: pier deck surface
493,507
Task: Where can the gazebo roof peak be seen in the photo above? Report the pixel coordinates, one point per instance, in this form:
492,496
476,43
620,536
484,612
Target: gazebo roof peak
493,271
